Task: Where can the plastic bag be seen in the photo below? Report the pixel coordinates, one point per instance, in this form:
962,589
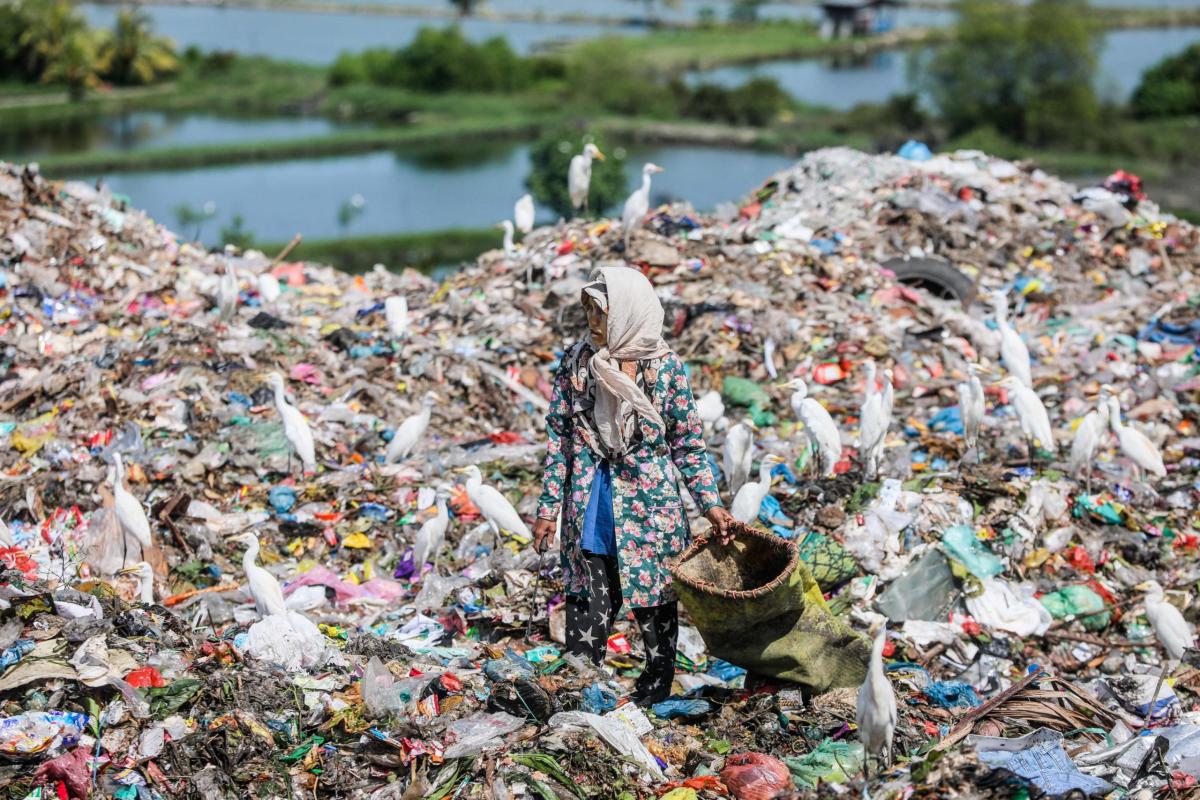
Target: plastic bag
471,735
755,776
963,545
830,762
378,689
1074,601
435,588
616,735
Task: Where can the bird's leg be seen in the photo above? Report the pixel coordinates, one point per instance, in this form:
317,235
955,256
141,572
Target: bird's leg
1029,453
1162,673
1088,479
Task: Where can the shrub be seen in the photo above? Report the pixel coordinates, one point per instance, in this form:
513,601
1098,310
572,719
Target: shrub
1170,88
550,158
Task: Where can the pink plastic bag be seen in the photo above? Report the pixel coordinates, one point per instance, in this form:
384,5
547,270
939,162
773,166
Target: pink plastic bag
755,776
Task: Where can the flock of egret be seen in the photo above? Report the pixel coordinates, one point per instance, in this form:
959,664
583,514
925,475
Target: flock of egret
579,181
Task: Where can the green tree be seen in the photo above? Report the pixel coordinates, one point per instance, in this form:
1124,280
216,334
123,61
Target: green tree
551,157
1024,72
132,54
1058,60
976,78
74,65
1171,87
52,27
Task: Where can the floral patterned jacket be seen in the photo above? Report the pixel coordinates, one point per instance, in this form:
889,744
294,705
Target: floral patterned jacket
650,524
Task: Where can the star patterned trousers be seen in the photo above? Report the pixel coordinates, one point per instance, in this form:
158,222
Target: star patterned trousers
590,620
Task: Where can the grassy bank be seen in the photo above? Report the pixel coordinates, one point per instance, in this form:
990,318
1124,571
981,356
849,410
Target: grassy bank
424,251
344,143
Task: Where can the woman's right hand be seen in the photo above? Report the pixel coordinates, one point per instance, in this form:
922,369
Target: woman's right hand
543,533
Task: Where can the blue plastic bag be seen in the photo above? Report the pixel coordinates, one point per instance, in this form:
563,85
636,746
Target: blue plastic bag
915,151
681,707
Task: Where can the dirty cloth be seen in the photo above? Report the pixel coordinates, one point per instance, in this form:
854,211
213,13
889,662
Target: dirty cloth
590,621
650,525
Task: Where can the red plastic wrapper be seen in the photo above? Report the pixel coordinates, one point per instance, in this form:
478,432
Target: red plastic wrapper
619,644
145,677
826,374
755,776
505,437
1078,558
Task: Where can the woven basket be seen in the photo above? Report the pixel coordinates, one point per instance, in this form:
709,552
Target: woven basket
757,606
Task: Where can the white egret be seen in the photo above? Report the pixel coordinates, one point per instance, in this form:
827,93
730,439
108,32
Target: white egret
1035,422
410,431
1088,435
876,709
819,427
145,576
281,635
638,203
227,293
874,421
750,497
1170,628
1013,352
509,247
739,455
268,288
493,505
432,535
971,408
1136,446
523,213
295,428
710,407
130,514
262,585
579,175
395,310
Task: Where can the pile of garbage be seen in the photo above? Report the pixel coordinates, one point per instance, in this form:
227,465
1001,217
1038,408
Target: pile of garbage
404,659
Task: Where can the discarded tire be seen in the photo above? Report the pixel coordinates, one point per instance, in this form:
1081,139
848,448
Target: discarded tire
939,278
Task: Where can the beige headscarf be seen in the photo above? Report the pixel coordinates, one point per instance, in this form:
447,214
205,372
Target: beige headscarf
635,320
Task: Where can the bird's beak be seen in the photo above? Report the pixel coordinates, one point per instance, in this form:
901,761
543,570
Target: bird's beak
658,169
599,155
499,226
1143,587
129,571
459,470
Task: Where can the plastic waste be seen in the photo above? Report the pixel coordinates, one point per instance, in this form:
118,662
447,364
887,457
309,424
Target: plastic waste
615,734
755,776
1078,602
963,545
472,735
830,762
1040,758
378,689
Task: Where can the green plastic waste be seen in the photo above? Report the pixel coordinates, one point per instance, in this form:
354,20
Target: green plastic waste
964,546
827,561
1073,601
743,392
757,606
830,762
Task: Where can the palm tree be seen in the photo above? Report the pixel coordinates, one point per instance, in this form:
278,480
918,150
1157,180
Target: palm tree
75,64
52,27
132,54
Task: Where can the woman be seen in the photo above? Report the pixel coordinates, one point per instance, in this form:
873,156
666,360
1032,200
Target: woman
621,412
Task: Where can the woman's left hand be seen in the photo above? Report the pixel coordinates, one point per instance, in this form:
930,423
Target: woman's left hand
721,521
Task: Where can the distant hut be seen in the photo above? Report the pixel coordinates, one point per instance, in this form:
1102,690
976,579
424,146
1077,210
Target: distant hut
857,17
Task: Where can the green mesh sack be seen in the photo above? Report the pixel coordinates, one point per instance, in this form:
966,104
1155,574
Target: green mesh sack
827,560
757,606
